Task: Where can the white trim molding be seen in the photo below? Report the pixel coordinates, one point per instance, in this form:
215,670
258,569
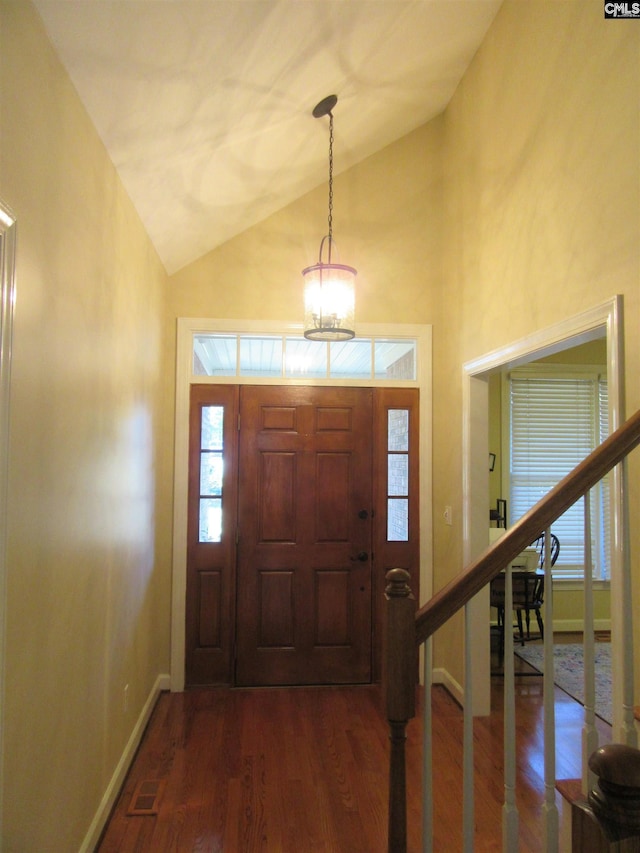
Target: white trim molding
7,302
444,677
162,684
187,328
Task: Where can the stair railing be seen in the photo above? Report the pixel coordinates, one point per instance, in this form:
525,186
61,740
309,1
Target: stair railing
407,629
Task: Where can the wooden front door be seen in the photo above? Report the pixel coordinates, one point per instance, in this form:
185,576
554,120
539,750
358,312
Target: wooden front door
304,577
281,577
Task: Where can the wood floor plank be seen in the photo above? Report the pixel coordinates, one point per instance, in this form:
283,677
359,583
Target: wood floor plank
304,770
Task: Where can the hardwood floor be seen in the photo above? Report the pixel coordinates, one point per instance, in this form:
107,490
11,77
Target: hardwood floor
304,770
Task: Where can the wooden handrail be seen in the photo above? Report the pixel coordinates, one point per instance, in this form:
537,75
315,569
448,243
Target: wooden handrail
441,607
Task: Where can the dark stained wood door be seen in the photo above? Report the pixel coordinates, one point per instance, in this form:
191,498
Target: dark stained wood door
305,532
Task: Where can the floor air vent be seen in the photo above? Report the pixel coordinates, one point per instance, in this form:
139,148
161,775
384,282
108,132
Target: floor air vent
146,797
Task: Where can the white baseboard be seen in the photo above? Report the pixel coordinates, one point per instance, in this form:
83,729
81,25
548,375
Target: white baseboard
573,626
577,625
92,837
444,677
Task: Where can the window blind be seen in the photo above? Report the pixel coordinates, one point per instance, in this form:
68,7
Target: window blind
603,490
555,421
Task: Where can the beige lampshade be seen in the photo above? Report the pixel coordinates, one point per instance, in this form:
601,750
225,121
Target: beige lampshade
329,302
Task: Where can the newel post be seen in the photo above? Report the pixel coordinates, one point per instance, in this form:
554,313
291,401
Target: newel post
615,800
399,679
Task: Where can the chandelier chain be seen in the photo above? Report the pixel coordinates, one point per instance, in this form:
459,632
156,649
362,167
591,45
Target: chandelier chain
330,179
329,295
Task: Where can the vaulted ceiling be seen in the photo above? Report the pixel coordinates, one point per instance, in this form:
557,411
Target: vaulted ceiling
205,105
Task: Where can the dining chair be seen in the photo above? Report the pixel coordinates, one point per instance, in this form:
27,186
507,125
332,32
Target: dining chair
527,593
535,600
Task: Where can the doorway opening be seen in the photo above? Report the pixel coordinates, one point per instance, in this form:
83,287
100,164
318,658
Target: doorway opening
603,321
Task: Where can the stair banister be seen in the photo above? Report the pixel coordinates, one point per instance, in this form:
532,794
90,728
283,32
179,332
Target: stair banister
406,632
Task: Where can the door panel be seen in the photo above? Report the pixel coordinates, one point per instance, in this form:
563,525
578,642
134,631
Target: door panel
332,608
276,616
209,608
333,501
276,483
303,594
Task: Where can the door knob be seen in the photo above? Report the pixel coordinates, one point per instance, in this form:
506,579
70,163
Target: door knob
363,514
362,557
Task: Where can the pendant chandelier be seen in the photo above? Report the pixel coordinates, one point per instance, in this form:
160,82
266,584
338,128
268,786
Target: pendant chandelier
329,288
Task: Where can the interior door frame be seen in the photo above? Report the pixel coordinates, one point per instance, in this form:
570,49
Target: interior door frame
7,302
604,320
186,329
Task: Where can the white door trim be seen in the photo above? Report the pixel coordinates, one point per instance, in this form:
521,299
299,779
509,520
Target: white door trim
7,302
186,328
588,325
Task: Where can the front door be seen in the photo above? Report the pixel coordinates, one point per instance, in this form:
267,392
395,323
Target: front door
304,536
282,584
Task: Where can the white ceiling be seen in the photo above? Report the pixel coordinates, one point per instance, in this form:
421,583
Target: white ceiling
205,105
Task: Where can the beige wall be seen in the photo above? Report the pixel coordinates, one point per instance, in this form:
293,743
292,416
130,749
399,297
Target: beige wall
516,209
88,573
542,212
386,223
519,207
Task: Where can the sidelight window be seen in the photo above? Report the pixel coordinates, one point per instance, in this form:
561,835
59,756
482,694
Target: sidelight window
211,469
398,475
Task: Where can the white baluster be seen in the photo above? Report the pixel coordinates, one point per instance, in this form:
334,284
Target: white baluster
589,731
467,758
629,733
509,809
549,808
427,754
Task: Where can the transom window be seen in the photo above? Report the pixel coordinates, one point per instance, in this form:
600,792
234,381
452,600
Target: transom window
293,357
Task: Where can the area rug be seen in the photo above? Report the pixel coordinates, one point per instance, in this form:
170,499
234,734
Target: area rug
568,669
